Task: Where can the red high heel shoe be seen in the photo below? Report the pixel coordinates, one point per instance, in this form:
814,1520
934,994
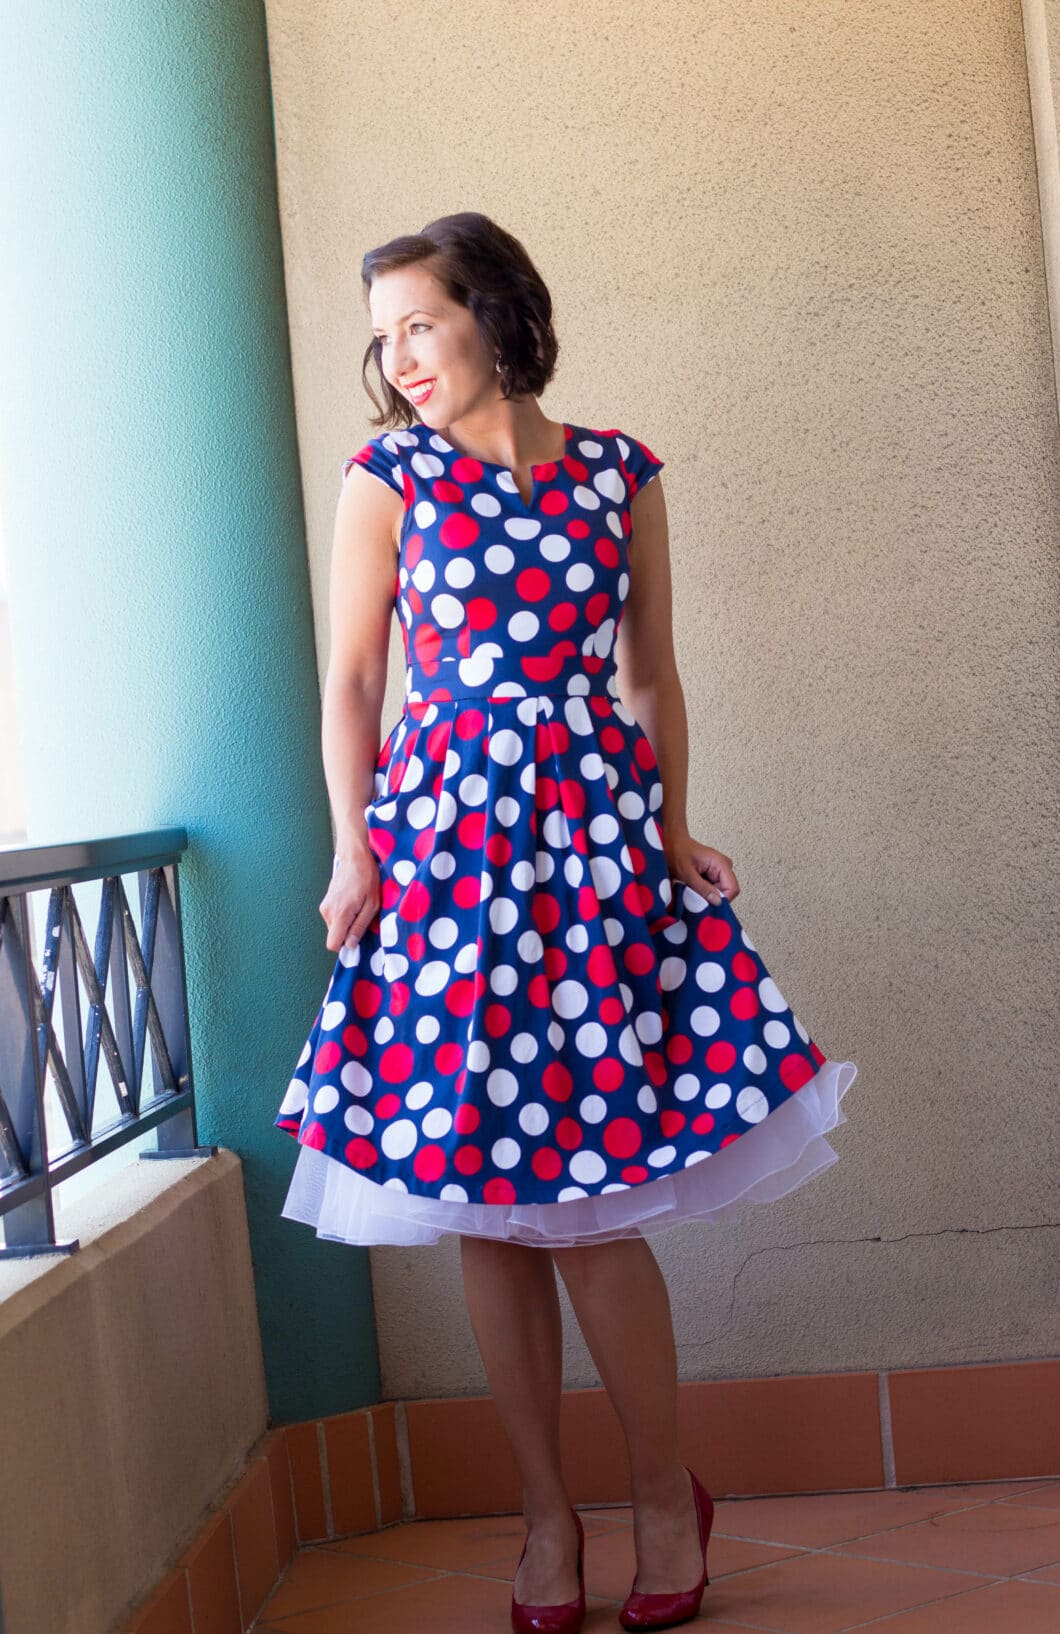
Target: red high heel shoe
664,1610
562,1619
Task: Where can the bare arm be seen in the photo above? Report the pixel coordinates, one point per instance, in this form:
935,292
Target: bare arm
361,599
644,648
651,689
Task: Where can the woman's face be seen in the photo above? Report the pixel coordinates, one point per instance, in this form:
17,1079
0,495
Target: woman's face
430,349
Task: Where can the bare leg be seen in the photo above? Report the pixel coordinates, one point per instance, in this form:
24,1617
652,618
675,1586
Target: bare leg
513,1303
622,1304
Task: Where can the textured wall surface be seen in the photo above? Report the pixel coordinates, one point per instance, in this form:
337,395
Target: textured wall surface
163,638
797,250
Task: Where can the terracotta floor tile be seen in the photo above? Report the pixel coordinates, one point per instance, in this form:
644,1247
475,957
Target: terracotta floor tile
319,1577
997,1539
818,1594
1047,1574
1003,1608
488,1545
1044,1496
449,1605
819,1521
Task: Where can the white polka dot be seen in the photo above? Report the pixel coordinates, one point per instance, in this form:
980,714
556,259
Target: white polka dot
437,1124
646,1099
705,1020
454,1194
687,1087
295,1098
672,973
433,977
356,1078
754,1058
506,1153
593,1109
533,1118
358,1120
770,994
421,811
398,1138
661,1156
569,998
447,611
606,877
418,1096
710,976
587,1167
502,1087
719,1095
333,1016
751,1104
326,1099
591,1040
505,747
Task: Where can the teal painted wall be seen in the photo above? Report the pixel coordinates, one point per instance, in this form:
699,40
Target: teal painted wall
151,500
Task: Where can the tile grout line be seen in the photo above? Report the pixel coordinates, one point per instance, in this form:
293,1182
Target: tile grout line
373,1464
325,1478
404,1452
886,1430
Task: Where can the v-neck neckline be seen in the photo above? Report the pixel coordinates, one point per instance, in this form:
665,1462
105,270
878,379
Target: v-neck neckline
493,465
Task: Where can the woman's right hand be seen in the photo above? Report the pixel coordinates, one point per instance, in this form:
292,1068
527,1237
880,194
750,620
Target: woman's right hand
353,897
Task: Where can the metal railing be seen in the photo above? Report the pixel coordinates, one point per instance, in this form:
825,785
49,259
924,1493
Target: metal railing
58,1113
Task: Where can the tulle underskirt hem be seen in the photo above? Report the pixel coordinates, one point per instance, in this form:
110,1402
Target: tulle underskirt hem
770,1160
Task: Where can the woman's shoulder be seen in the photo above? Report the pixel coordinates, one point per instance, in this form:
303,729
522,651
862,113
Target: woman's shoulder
385,455
638,462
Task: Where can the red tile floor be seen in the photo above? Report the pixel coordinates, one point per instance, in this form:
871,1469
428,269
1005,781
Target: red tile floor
976,1559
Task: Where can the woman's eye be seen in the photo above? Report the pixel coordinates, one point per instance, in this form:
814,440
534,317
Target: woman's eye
382,339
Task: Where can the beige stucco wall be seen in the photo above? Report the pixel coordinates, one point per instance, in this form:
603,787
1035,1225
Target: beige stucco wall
797,249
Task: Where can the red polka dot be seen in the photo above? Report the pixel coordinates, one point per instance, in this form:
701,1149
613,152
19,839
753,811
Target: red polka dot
795,1070
361,1153
466,1119
720,1056
634,1173
556,1081
498,1190
429,1163
714,934
532,584
458,531
396,1063
704,1123
672,1122
467,1159
416,901
744,1003
744,968
314,1135
327,1057
608,1074
622,1137
546,1163
366,996
387,1105
568,1133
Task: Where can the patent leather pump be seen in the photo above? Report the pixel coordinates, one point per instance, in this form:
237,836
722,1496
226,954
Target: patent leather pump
562,1619
664,1610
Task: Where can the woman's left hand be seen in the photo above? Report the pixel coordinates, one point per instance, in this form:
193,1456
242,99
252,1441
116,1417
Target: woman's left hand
703,867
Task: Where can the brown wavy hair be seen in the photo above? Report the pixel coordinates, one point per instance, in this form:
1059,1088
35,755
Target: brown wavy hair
484,268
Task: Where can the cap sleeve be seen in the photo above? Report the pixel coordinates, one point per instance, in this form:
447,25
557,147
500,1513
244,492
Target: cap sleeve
638,462
380,456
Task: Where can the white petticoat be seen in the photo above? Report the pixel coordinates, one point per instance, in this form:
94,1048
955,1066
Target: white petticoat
768,1161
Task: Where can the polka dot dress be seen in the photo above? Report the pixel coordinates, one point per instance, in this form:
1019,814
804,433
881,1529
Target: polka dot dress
541,1035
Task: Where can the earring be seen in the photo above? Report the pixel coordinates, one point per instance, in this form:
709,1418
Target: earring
499,366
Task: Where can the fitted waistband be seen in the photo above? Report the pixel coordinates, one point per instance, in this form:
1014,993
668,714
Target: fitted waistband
506,677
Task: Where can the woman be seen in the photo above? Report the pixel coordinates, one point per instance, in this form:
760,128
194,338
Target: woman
544,1014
